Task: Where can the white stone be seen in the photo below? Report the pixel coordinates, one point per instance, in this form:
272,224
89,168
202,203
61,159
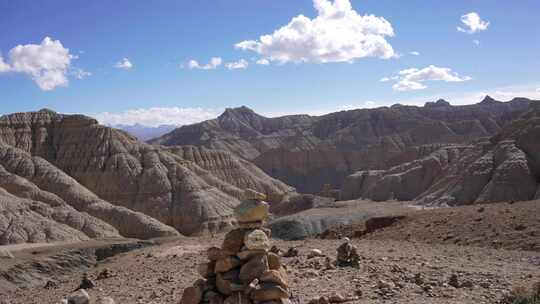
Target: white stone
315,253
105,300
257,240
79,297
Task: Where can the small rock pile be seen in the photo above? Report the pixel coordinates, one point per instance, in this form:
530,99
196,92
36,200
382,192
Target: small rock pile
242,271
347,255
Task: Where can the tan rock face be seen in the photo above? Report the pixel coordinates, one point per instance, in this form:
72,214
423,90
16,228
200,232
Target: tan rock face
191,189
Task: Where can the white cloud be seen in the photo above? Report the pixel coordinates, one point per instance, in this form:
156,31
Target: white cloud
337,34
156,116
240,64
263,61
124,64
4,67
538,90
413,79
46,63
415,53
472,23
476,42
80,73
212,65
385,79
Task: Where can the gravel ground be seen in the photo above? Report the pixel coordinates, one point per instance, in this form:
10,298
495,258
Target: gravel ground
391,272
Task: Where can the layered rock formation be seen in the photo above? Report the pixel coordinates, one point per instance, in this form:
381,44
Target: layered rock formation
505,168
308,152
40,203
109,174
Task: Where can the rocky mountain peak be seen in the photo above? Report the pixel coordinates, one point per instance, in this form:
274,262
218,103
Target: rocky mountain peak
489,100
439,103
239,113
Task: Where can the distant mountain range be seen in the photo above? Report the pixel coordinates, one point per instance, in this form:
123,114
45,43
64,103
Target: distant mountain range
308,152
145,133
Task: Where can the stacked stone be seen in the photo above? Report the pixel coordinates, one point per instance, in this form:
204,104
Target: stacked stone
242,271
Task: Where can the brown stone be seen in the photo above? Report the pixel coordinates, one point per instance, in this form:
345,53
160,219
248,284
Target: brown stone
192,295
269,292
274,261
228,282
276,276
280,301
206,270
215,253
213,297
233,242
247,254
254,268
226,264
251,225
237,298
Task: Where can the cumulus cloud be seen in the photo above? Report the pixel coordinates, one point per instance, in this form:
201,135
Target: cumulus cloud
415,53
124,64
46,63
212,65
472,23
156,116
337,34
263,61
241,64
414,79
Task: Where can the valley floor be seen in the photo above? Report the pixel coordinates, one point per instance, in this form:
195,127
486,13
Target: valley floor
394,268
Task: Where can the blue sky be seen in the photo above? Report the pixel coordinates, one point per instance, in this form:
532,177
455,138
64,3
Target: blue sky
95,40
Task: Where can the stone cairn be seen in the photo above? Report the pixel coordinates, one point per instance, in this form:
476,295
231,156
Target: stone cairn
347,255
243,270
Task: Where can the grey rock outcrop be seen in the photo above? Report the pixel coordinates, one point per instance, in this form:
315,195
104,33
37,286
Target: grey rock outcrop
137,188
502,169
310,151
